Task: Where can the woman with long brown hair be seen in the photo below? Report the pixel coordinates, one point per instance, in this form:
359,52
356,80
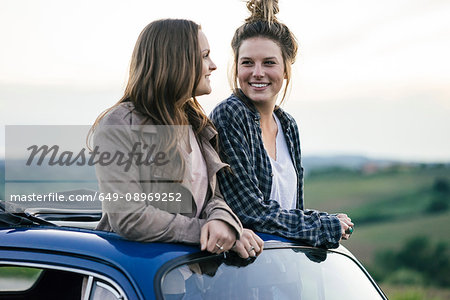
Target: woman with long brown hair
158,176
261,141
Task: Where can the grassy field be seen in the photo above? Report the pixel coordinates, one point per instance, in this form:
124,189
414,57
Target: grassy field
403,190
390,205
388,208
369,239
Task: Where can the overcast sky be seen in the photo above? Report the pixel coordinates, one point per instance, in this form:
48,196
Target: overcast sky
372,77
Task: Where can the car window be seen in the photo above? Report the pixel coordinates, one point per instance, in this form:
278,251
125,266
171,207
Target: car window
42,282
292,273
14,278
103,291
35,282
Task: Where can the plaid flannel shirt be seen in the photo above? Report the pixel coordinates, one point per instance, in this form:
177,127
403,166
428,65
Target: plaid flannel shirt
246,187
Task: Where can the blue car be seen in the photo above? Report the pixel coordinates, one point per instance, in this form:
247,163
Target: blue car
48,255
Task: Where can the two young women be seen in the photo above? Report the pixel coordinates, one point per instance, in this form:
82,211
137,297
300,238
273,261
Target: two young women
170,66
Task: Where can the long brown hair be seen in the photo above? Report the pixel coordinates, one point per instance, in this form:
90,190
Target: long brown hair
165,70
263,23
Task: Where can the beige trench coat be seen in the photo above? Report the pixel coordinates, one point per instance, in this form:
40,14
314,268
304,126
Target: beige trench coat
148,220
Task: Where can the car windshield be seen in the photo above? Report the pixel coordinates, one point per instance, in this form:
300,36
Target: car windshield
289,273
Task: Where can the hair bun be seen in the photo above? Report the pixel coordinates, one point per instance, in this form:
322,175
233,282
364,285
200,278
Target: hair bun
262,10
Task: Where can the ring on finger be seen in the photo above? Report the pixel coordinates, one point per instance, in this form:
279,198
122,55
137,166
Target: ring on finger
349,230
251,249
218,246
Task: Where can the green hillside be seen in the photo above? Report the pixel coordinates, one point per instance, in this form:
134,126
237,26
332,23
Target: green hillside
387,207
402,190
390,207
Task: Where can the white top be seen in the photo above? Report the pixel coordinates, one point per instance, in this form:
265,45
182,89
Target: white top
284,179
199,178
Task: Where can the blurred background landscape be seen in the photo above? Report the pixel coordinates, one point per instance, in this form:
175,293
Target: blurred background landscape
401,213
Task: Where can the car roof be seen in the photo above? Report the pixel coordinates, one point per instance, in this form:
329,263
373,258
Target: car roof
110,246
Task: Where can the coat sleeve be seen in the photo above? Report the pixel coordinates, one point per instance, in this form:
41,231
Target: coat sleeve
241,191
135,220
218,209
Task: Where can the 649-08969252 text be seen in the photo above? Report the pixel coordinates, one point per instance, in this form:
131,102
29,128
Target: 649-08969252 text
56,197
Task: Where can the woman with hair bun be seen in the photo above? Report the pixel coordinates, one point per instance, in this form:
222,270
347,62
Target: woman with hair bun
260,141
170,66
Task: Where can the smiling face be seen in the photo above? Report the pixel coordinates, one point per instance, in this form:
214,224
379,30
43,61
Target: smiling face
204,86
260,70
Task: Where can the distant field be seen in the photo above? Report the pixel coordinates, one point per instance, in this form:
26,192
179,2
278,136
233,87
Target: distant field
369,239
351,191
395,200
